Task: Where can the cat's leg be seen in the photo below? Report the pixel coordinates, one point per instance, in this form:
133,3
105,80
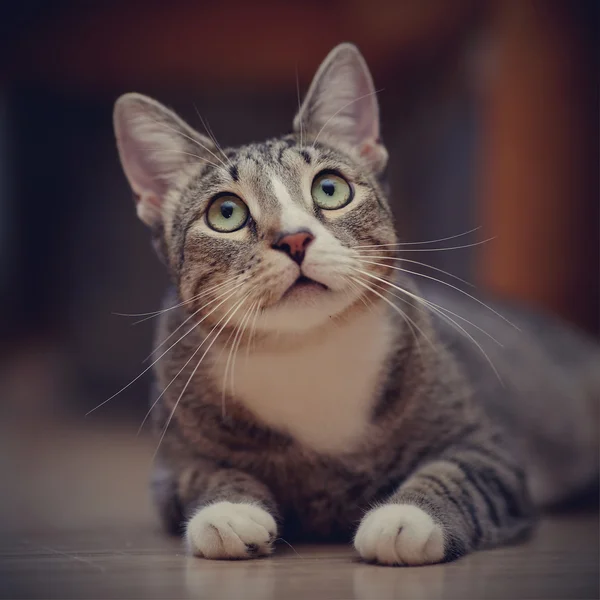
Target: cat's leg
163,484
471,498
225,513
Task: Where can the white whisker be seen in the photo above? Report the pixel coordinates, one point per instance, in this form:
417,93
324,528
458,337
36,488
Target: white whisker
350,281
416,262
195,141
411,324
179,372
156,313
201,158
429,302
292,547
163,354
440,307
408,320
251,338
448,285
235,309
299,105
444,239
237,331
470,337
236,343
211,135
433,308
236,286
433,249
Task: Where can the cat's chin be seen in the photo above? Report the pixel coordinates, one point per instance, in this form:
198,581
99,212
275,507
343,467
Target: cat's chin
304,289
305,306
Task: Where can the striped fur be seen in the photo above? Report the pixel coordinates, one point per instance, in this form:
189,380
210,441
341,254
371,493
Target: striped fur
338,415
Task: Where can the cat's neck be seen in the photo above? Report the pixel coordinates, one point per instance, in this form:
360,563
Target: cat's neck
321,390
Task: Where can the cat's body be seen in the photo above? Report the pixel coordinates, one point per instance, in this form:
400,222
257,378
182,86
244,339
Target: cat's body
546,395
304,378
328,462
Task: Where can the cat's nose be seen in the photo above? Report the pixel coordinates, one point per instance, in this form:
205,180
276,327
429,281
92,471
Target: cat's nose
294,244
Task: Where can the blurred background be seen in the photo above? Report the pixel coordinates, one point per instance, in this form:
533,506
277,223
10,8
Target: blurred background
490,112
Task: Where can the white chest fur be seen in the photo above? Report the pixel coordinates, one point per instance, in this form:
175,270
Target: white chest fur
321,392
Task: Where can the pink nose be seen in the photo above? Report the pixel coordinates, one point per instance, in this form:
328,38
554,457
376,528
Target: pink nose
294,244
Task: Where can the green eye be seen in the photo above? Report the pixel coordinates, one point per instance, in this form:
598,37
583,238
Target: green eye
227,213
330,191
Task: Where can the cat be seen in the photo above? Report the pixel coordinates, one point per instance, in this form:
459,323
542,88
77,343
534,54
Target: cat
308,382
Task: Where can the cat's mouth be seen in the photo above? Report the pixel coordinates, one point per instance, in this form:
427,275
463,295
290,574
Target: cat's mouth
304,285
303,280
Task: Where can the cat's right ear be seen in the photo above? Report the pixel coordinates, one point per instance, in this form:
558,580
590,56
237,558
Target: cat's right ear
341,104
155,147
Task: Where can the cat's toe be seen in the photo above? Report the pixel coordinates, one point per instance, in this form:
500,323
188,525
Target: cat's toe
399,534
225,530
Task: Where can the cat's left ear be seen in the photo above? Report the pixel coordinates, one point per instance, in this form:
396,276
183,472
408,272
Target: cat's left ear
155,146
341,104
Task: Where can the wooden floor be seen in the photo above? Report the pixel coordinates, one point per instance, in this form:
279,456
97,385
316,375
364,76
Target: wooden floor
77,524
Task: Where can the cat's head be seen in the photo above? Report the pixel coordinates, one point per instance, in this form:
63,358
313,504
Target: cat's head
268,233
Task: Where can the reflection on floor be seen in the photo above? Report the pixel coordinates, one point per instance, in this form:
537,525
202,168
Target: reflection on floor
76,523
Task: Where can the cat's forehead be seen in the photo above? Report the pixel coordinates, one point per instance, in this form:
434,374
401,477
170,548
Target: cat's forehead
267,173
273,176
283,157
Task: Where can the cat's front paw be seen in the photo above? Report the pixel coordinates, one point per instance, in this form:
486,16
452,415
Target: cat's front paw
228,530
399,534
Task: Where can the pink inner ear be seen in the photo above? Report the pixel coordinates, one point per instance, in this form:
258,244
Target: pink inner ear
369,150
150,199
374,153
149,208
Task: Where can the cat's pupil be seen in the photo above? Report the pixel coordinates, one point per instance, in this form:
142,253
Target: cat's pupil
227,209
328,187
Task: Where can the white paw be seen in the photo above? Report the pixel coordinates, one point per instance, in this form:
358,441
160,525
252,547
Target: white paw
399,534
227,530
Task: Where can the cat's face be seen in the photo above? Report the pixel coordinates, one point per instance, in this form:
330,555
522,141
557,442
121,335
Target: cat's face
280,220
267,235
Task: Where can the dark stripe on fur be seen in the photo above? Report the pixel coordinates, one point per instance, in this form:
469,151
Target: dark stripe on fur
482,490
447,494
306,156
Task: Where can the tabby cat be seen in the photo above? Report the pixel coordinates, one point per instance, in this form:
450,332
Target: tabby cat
309,383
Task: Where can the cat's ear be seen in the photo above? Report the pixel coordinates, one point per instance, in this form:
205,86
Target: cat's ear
155,146
341,104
